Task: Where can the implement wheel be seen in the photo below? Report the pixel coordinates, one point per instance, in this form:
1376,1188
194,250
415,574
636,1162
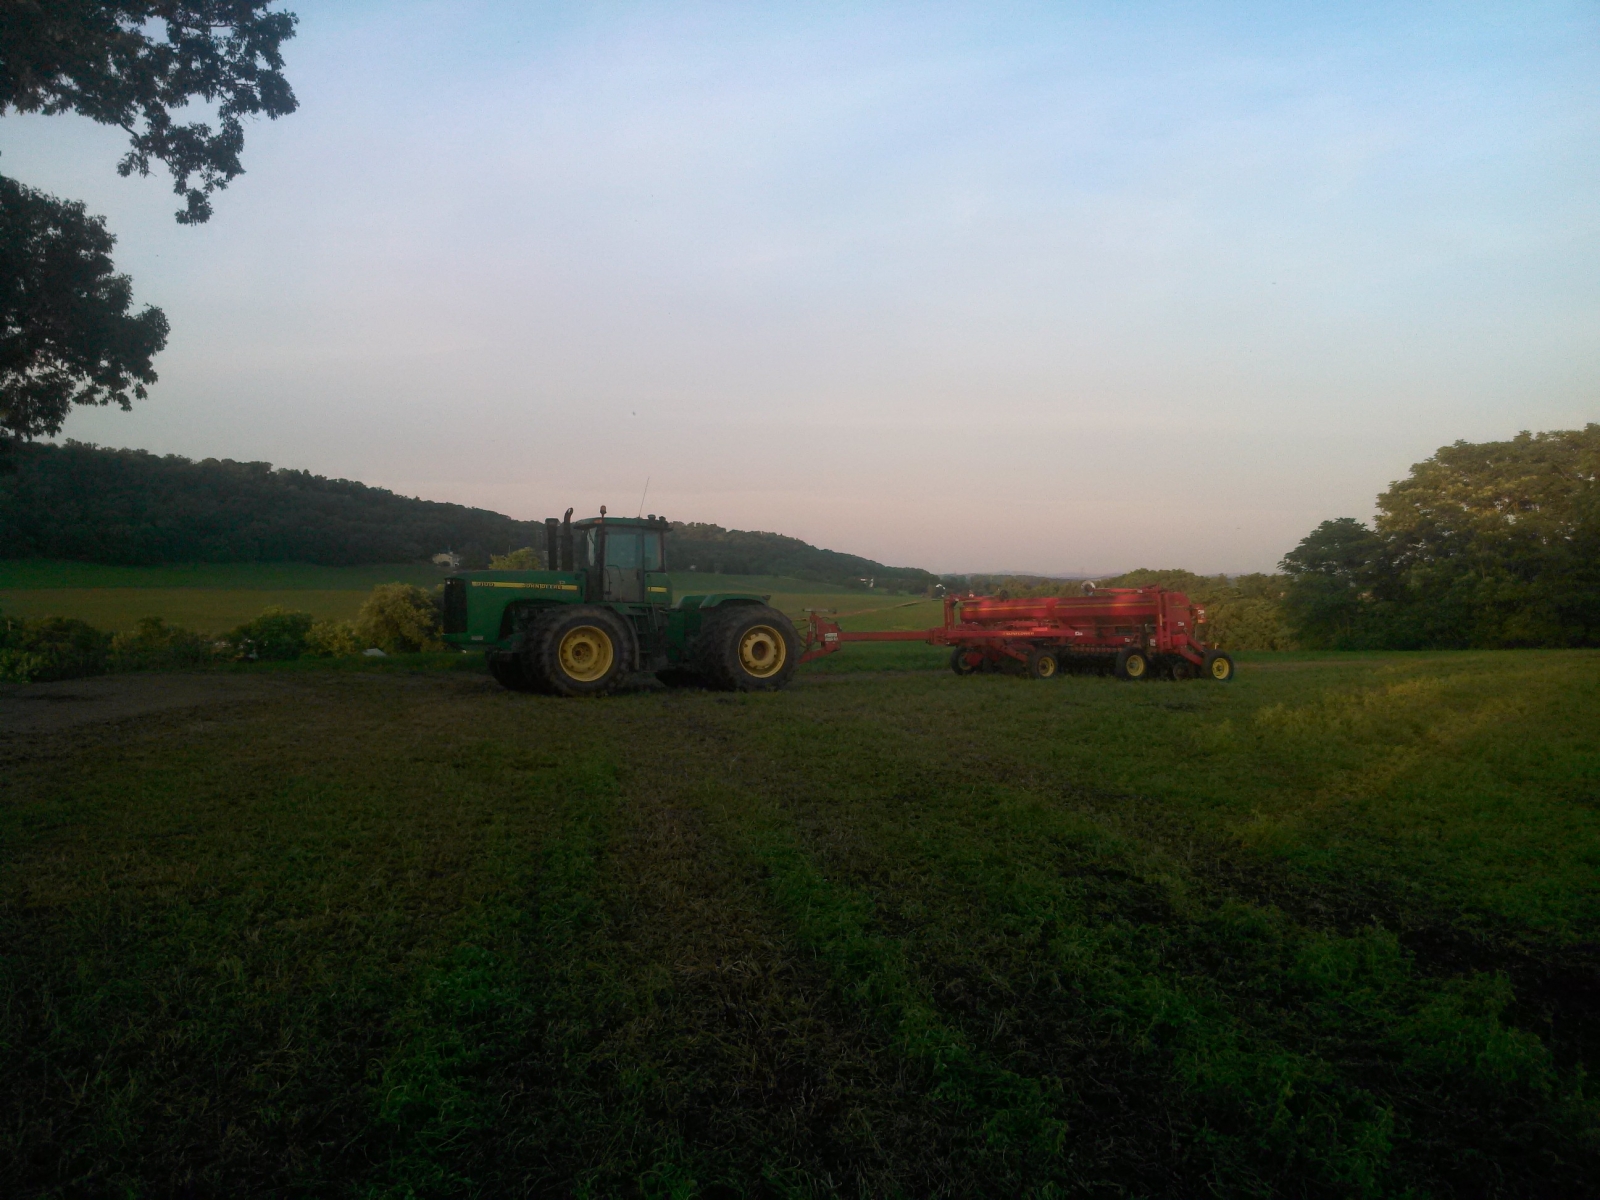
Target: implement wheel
579,651
1182,669
1043,664
961,662
746,648
1218,666
1131,664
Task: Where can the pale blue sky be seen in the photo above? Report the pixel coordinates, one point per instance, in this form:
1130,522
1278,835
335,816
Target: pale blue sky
1054,288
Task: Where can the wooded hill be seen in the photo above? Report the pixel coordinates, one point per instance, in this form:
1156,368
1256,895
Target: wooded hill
131,507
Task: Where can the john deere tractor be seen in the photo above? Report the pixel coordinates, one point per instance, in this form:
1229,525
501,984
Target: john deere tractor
605,610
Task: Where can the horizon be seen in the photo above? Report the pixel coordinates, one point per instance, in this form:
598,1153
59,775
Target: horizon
920,284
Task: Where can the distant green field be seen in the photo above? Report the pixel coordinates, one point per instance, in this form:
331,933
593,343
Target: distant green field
215,597
1332,930
53,574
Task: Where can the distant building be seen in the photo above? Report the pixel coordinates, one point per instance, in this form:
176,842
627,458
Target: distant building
449,560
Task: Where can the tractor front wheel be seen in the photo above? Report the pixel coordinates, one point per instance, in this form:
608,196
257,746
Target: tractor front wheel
579,651
1131,664
746,648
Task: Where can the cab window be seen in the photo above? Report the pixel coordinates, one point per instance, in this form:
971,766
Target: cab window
623,550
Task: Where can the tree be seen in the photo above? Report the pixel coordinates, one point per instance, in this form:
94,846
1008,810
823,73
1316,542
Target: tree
1335,575
66,334
1494,544
134,64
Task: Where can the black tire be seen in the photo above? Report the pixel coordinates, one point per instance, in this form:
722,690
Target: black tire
507,671
1218,666
1182,670
578,651
1043,663
680,677
1132,663
959,663
746,648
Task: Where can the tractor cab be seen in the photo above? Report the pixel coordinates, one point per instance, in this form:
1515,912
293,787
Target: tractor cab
623,558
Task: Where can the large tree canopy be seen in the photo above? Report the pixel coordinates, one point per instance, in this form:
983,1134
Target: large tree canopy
1488,544
134,64
66,333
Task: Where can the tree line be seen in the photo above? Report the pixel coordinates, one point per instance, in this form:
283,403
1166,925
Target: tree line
1482,546
133,508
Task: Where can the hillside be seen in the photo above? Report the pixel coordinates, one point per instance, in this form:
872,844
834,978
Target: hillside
133,508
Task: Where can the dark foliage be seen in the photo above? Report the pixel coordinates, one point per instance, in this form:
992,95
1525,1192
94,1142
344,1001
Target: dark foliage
1483,546
740,552
131,507
50,648
66,333
133,64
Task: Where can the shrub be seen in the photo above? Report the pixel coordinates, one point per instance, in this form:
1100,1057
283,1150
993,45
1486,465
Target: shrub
276,634
526,559
153,645
400,618
38,651
332,639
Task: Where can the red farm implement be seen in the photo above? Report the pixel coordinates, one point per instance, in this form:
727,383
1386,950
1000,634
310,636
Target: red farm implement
1134,633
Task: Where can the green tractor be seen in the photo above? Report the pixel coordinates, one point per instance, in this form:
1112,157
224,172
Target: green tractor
605,611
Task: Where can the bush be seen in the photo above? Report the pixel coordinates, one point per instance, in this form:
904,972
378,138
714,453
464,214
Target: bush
275,635
400,619
153,645
50,648
526,559
332,639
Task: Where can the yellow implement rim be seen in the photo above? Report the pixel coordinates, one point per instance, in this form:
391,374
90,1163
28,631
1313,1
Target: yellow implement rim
1047,665
762,651
586,653
1221,668
1134,665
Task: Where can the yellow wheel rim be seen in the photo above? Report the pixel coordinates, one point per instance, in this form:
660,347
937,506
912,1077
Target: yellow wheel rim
1221,668
1134,666
1047,666
762,651
586,653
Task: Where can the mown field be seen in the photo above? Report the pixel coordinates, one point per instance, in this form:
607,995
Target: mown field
216,597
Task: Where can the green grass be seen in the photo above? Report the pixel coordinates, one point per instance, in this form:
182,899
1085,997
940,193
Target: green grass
214,598
1327,931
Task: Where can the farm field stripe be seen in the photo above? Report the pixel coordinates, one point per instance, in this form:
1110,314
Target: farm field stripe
524,971
1009,1113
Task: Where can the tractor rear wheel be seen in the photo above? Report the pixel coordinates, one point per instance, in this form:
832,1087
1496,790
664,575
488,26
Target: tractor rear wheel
961,662
746,648
1218,666
578,651
1043,663
1131,664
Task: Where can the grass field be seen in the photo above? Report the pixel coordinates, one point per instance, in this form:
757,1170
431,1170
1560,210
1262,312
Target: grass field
1327,931
216,597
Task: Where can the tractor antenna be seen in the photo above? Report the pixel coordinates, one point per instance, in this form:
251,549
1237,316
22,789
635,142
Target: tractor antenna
643,494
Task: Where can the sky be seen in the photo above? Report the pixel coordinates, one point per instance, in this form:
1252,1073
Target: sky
1058,288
